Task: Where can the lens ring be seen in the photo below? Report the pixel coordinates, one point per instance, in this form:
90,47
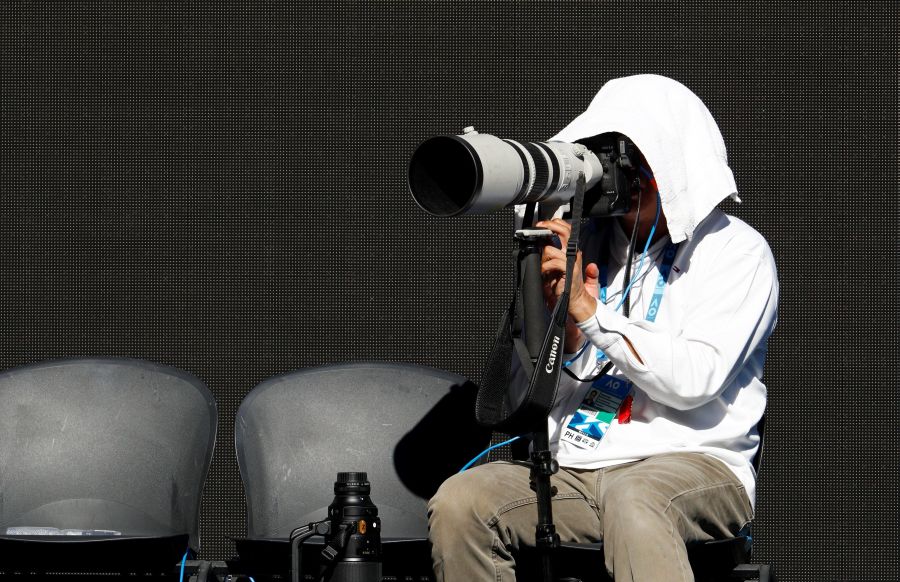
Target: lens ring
557,174
526,167
541,173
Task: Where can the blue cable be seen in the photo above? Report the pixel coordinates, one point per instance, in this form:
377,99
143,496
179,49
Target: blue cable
183,560
485,451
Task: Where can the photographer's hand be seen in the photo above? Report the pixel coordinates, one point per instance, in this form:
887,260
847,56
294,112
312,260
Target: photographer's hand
585,282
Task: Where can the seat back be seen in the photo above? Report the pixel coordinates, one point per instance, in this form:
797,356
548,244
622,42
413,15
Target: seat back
104,444
409,427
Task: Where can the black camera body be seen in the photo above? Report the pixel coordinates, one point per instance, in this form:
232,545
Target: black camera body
618,155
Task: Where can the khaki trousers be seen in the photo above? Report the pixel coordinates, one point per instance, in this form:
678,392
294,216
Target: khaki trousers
643,511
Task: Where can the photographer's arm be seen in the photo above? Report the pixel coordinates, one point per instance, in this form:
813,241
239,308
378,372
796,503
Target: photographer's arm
728,319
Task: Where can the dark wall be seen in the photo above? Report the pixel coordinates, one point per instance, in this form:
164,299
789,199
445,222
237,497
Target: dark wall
221,187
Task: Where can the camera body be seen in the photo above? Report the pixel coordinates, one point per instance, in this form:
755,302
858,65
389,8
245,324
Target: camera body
476,173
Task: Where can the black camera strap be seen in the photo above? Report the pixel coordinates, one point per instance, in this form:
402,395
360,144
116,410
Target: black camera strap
493,407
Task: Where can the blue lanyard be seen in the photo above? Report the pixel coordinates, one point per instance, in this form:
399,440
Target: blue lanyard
603,401
668,259
665,267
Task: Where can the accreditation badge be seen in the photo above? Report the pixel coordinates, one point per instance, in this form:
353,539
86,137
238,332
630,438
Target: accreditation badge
596,412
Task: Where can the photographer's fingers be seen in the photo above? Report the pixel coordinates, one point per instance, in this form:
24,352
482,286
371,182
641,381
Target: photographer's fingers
552,253
554,267
559,227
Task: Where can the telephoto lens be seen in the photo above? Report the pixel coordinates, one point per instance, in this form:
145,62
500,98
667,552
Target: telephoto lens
354,543
477,173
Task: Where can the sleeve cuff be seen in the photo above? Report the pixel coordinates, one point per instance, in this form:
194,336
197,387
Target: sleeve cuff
604,328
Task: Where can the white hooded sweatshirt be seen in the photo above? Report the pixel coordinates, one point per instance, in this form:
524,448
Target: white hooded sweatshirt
699,387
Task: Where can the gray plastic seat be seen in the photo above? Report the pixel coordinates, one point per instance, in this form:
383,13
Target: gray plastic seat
409,427
104,444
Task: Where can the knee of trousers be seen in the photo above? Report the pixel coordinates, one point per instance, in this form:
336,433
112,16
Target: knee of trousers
635,512
462,501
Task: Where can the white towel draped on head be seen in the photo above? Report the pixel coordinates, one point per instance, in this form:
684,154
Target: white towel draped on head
678,137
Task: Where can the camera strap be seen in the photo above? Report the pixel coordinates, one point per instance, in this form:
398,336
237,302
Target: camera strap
493,406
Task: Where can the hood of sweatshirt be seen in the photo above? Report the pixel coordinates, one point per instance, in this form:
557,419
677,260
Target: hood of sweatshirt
678,137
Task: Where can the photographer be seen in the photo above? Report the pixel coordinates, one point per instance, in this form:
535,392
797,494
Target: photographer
671,461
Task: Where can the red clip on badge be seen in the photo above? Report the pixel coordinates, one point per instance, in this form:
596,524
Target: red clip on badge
624,415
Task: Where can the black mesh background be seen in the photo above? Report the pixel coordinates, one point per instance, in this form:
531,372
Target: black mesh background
221,187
